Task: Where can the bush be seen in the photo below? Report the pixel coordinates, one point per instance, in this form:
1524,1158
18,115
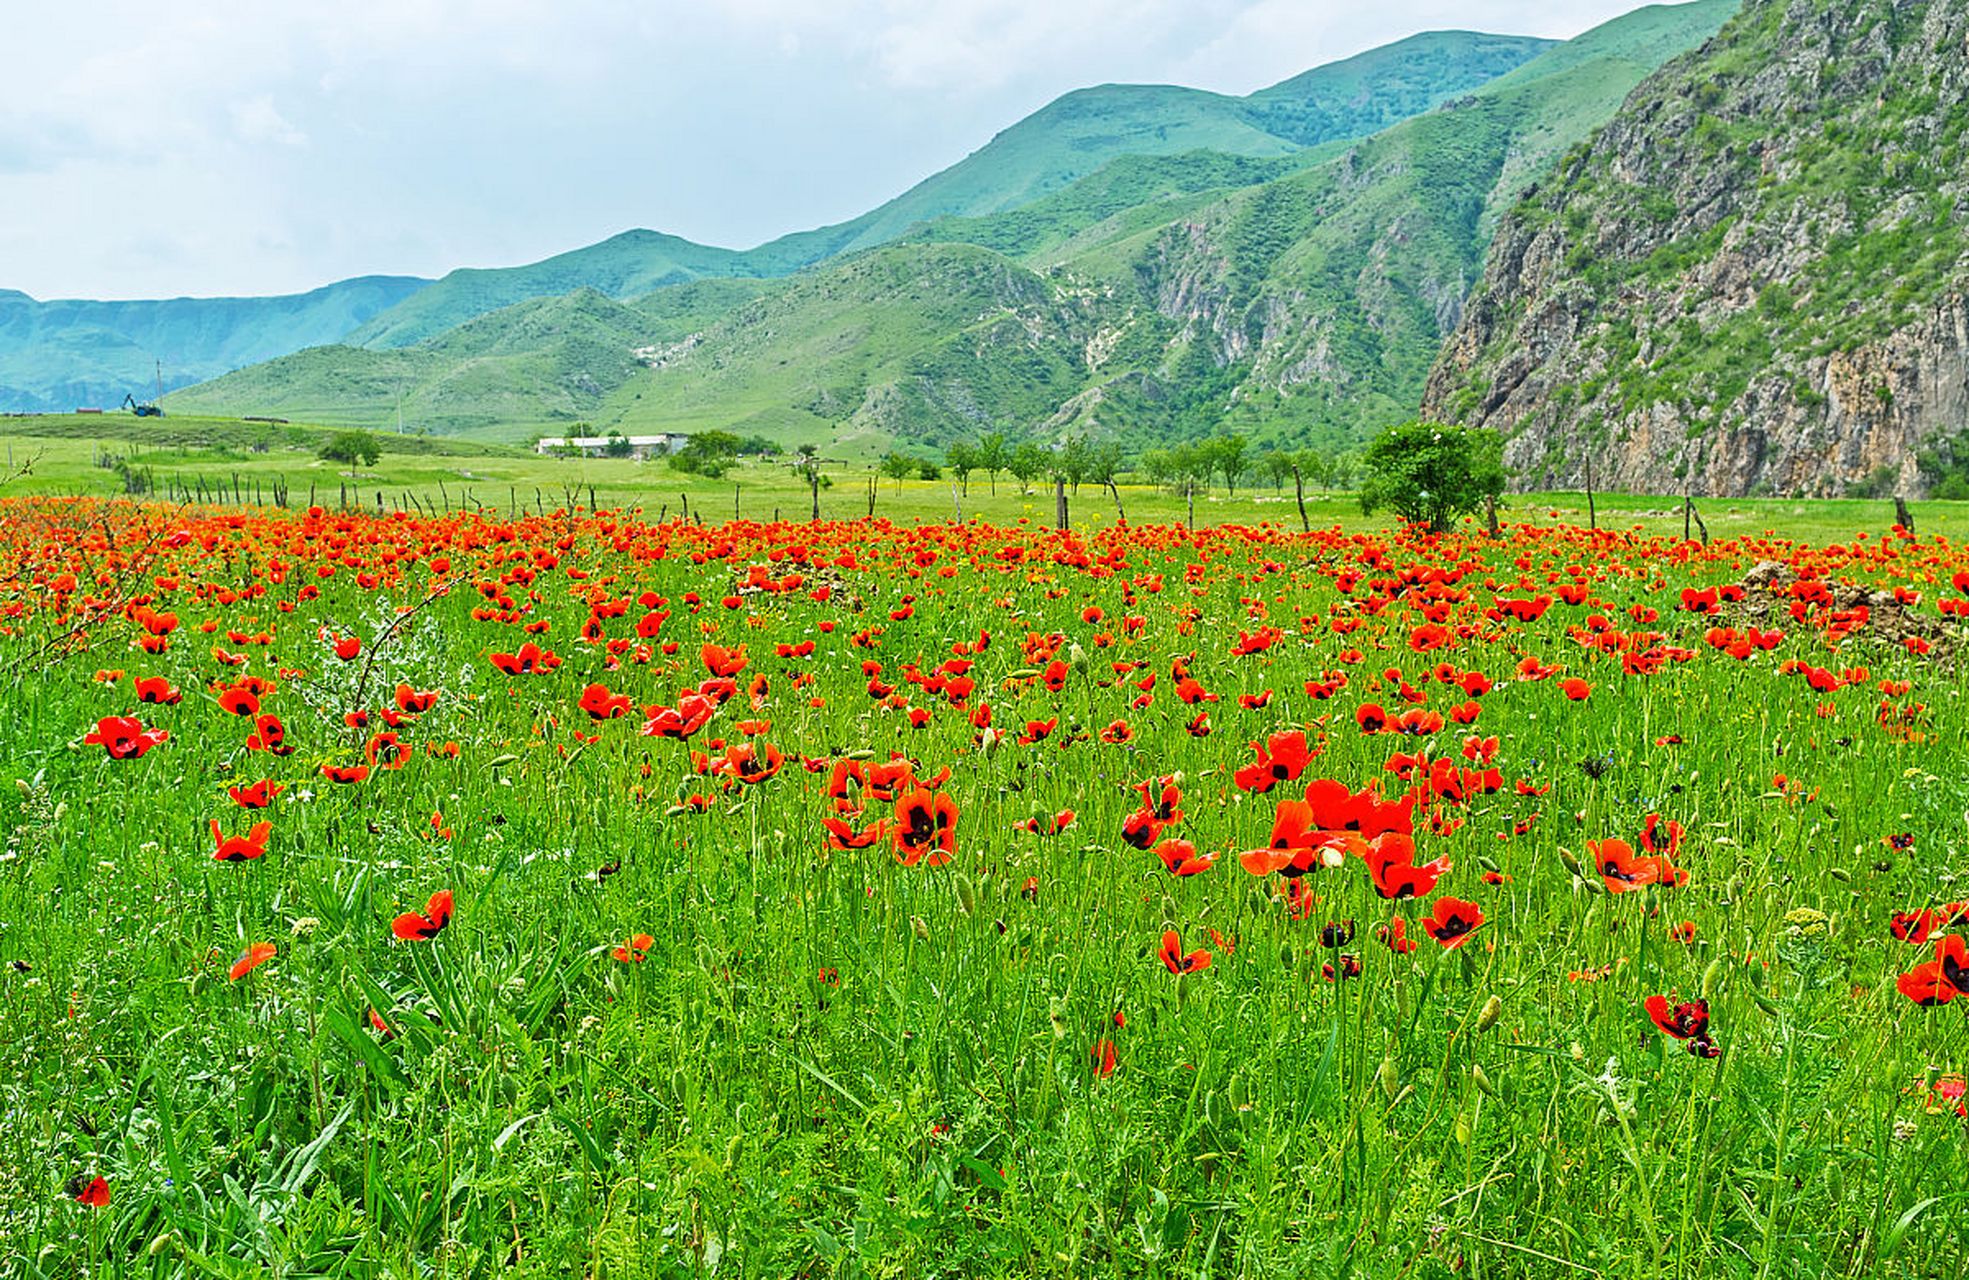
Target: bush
1429,473
355,448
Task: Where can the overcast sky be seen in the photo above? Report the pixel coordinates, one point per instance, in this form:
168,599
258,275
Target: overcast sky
263,146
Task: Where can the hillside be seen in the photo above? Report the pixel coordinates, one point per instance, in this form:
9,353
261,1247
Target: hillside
56,356
1752,280
1065,140
1300,297
542,361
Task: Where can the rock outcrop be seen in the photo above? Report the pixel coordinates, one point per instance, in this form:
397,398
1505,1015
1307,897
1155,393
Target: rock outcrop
1753,279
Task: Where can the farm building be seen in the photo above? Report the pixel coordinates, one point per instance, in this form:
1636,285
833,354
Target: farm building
599,446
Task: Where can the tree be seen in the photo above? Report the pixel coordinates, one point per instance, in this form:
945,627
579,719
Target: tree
806,465
707,453
1277,465
898,467
356,448
1429,473
617,446
991,456
1228,455
1027,461
962,459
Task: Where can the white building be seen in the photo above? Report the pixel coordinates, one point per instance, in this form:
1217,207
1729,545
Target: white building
598,446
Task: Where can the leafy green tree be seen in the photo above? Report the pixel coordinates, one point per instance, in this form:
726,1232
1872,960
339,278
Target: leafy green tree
1429,473
707,453
1229,456
1027,462
992,456
354,448
962,459
617,446
1103,463
898,467
1276,466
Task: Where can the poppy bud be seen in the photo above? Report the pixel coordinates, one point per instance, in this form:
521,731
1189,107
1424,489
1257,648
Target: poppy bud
1077,657
164,1243
920,929
967,897
1024,673
1463,1127
1388,1076
1572,863
1769,1009
1488,1018
1840,874
500,762
1711,978
1482,1080
1239,1093
1490,866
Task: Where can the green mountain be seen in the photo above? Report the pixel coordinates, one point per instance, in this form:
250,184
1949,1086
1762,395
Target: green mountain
57,356
1753,279
1299,297
1067,139
540,363
1300,293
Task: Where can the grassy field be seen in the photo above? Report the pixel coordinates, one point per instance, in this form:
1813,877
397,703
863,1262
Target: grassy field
220,457
573,894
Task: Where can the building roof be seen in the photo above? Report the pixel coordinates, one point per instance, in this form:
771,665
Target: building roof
600,442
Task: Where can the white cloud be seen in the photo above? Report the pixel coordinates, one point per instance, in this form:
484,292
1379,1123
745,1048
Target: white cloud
257,120
416,135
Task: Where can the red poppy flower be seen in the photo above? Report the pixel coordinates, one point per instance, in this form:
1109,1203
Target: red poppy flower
415,702
1452,922
1392,870
1915,927
723,662
93,1192
1182,859
256,955
531,659
601,704
270,736
124,737
634,950
1176,960
258,796
1395,934
413,926
844,837
158,691
1575,689
239,701
241,848
1103,1055
925,829
1282,758
1688,1021
345,773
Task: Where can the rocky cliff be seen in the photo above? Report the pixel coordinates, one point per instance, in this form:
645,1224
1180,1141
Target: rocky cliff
1753,279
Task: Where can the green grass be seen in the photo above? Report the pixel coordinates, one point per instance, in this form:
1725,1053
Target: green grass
829,1063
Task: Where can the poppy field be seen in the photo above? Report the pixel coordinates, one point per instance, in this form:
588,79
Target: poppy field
578,894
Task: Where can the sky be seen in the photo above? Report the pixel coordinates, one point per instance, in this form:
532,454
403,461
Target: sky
268,146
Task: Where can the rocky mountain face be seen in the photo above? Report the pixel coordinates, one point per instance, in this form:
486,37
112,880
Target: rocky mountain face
1753,279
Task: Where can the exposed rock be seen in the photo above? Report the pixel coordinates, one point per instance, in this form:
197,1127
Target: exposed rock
1755,279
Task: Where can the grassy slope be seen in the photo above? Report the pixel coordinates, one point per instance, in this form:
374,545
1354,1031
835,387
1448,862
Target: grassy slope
55,356
1316,287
